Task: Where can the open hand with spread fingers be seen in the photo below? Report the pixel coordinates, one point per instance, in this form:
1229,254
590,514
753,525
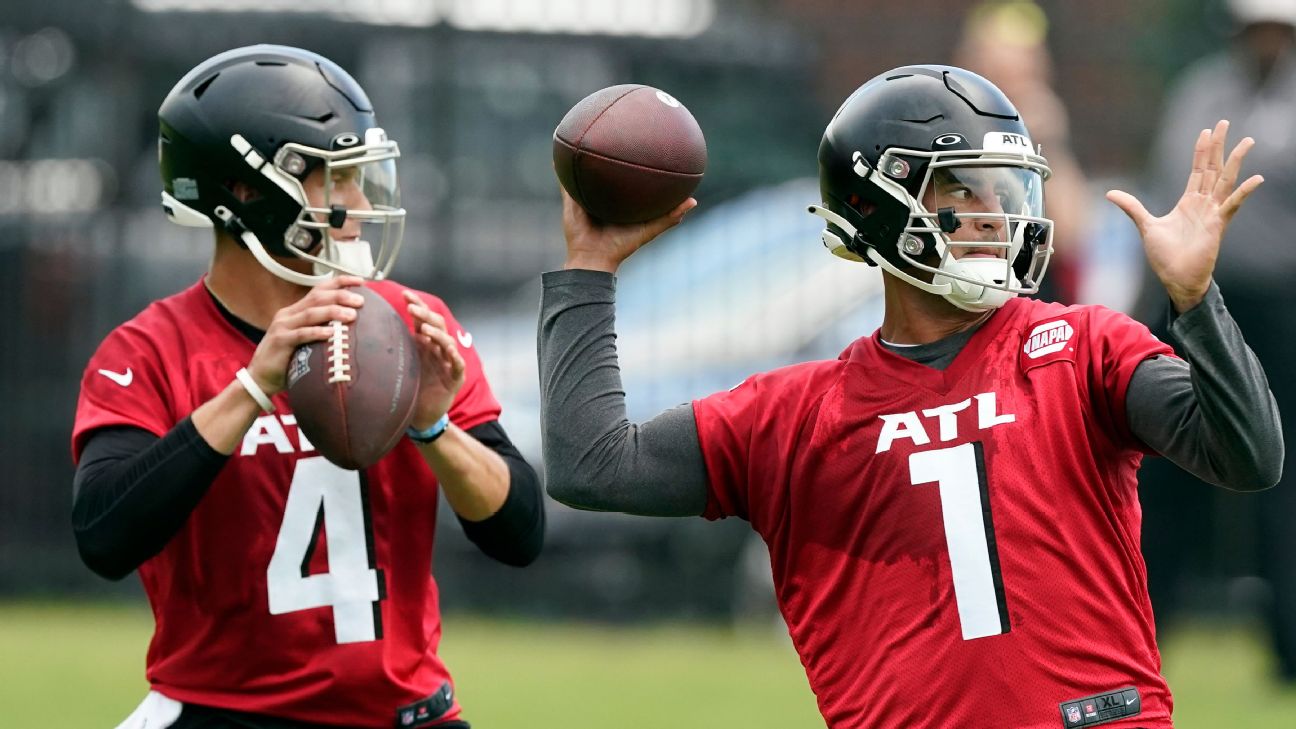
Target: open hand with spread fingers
441,365
1183,244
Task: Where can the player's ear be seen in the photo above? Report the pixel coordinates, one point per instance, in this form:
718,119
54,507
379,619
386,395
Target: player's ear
242,191
863,207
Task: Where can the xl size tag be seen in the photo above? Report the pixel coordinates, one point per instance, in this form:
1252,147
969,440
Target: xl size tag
1101,708
421,713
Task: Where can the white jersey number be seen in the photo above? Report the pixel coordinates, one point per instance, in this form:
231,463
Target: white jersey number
323,494
969,534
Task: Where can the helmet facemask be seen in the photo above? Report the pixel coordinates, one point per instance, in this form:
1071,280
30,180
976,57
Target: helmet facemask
359,185
986,220
975,224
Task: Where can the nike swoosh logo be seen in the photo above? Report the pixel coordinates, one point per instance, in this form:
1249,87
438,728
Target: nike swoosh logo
1130,701
122,378
465,339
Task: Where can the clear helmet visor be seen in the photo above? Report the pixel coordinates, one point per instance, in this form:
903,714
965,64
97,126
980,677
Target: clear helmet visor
989,188
988,223
352,221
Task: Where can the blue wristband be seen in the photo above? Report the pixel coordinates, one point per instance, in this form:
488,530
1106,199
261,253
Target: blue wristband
433,432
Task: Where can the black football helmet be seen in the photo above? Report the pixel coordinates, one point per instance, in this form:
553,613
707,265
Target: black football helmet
242,132
919,152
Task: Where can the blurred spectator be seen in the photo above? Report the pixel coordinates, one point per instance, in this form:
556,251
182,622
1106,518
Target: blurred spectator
1253,84
1004,40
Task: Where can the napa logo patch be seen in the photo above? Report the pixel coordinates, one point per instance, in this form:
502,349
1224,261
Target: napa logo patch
1048,341
1048,338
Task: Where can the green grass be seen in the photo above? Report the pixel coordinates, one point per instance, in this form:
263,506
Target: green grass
1221,678
518,675
66,665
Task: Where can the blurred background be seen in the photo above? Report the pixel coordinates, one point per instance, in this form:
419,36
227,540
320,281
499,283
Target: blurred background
629,609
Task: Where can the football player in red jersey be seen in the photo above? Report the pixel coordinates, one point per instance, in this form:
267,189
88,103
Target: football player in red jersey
287,591
950,506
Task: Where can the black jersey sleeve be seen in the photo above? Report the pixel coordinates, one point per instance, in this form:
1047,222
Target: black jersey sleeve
133,491
513,535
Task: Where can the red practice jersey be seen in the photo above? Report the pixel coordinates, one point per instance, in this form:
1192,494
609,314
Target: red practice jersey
296,588
955,548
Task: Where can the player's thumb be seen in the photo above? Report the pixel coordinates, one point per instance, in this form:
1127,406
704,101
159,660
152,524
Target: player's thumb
664,223
1131,206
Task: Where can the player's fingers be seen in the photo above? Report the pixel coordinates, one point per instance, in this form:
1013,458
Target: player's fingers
415,306
341,282
419,309
305,335
413,299
457,365
1131,206
573,215
427,316
422,314
445,355
1214,156
428,345
682,209
324,296
1239,196
276,348
335,289
451,361
656,227
1200,150
438,335
1232,168
318,315
456,361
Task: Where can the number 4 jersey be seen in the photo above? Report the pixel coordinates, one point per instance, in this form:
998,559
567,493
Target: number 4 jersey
295,588
955,548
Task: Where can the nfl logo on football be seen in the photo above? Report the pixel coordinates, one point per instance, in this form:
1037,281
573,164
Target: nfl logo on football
300,365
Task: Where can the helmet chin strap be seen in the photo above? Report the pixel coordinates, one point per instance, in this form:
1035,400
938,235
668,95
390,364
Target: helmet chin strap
965,295
354,258
970,296
268,262
838,247
350,257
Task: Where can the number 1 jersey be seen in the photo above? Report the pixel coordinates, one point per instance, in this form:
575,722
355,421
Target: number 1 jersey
957,547
295,588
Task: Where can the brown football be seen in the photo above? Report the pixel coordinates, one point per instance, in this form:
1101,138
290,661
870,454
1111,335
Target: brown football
629,153
353,394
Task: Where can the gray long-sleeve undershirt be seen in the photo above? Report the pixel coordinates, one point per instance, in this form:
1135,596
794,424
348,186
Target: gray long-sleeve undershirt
1211,413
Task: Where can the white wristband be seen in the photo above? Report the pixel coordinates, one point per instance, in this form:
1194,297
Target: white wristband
245,379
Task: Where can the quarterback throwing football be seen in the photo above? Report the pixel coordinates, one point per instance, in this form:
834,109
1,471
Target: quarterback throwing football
950,506
288,592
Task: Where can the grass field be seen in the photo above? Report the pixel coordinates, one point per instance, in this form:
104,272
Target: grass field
82,667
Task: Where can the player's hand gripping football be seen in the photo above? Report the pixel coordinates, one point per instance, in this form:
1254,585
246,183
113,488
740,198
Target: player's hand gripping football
441,365
306,320
1183,244
602,247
